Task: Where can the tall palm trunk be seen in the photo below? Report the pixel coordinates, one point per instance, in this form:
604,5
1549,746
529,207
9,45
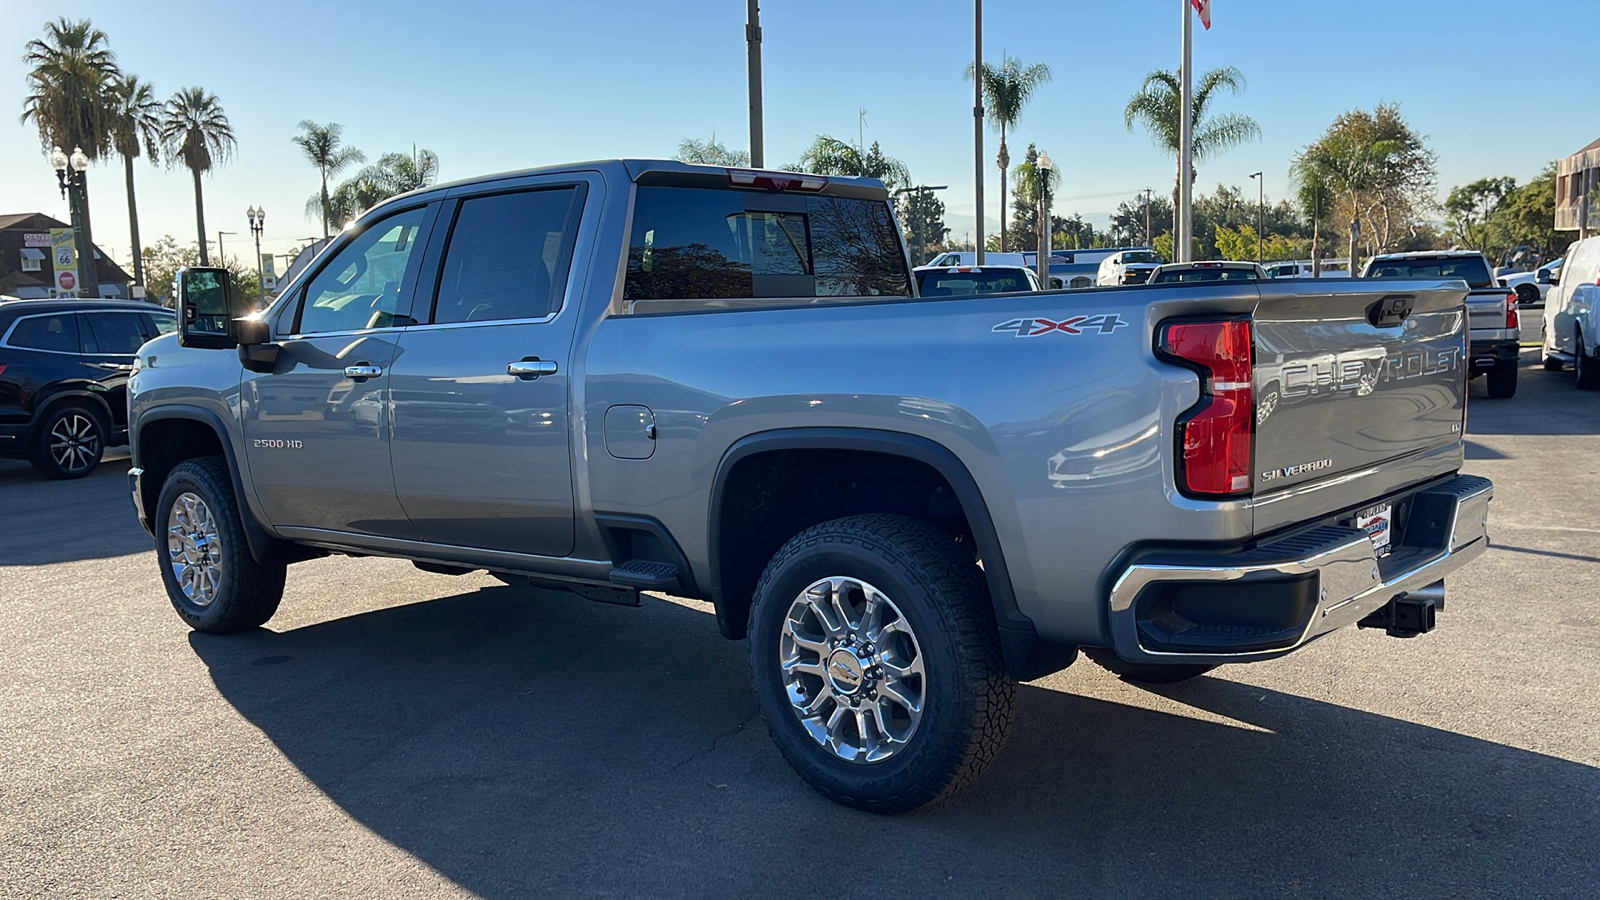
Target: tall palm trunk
1004,161
200,218
324,204
133,224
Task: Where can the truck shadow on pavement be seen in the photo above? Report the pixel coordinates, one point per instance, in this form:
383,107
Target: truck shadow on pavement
522,742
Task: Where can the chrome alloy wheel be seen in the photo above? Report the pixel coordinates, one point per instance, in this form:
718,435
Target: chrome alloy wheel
193,549
853,669
75,442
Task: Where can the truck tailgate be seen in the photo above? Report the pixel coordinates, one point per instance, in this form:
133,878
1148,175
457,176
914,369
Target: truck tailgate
1359,379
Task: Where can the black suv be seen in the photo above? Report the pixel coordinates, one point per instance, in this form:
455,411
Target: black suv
64,368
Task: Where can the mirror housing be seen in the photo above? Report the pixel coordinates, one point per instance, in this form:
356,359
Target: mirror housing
207,317
1542,277
257,352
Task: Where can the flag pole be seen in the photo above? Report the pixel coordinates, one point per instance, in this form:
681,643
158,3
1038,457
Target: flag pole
1182,242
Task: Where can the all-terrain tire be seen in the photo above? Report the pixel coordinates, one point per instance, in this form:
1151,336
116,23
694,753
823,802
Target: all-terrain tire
69,442
934,585
244,593
1503,380
1145,673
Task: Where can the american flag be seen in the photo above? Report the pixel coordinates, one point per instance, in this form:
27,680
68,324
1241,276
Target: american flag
1203,7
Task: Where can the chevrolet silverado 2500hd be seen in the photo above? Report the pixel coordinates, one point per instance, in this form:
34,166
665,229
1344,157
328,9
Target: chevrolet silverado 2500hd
720,383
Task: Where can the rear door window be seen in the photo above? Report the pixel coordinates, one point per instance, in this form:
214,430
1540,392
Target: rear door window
117,334
56,333
708,244
508,256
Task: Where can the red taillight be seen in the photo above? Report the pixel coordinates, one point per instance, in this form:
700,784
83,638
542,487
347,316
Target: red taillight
1512,320
1216,436
776,181
2,368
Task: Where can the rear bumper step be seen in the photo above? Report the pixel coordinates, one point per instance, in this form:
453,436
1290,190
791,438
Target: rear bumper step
1197,607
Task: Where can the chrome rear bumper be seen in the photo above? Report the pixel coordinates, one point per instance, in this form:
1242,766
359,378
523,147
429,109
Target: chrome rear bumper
1446,528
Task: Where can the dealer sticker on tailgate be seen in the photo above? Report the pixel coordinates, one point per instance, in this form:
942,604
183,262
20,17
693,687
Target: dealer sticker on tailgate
1376,523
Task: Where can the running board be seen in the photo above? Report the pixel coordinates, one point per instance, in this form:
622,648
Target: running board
644,575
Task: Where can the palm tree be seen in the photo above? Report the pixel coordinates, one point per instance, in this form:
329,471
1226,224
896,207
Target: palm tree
321,146
1158,106
711,153
195,131
831,156
69,80
394,174
1007,88
135,128
1338,166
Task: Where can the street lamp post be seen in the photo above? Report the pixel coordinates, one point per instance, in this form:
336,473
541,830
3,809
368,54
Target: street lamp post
71,174
258,223
222,258
1261,210
977,125
1043,165
752,42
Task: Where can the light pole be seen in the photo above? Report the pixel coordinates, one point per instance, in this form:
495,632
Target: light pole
222,258
752,42
258,223
977,123
1261,210
917,236
71,175
1147,237
1042,166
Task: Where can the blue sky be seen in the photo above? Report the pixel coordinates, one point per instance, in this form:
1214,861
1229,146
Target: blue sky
496,85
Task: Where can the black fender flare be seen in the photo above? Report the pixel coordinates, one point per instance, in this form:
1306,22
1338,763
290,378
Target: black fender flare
256,535
50,400
1027,656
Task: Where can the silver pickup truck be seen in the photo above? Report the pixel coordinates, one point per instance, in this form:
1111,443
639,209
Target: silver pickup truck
718,383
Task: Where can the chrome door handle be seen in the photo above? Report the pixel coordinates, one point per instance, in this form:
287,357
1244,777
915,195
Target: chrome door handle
362,371
531,368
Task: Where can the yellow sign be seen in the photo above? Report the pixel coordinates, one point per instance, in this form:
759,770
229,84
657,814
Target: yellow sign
64,258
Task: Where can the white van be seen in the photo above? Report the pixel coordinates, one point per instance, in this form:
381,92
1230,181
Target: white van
1127,267
1571,328
967,258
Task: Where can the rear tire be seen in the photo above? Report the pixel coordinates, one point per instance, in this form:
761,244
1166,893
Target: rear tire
876,659
1551,364
214,583
1503,380
1584,366
1145,673
69,442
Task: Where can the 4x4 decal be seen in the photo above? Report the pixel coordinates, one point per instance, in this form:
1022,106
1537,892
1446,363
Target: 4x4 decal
1100,324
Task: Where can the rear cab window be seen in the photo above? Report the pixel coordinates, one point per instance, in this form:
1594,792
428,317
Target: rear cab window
952,284
710,248
1471,269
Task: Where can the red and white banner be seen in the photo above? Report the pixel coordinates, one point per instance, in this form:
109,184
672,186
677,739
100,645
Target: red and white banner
1203,7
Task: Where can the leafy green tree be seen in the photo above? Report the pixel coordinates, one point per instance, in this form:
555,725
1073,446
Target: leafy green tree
323,147
922,218
710,153
1158,107
831,156
195,132
1371,169
1128,222
165,257
1526,216
1470,205
1007,88
135,129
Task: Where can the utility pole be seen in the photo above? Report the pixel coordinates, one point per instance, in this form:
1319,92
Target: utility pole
1148,240
977,120
1261,209
752,40
1181,246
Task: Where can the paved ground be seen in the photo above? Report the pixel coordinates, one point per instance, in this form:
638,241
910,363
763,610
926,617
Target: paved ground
396,733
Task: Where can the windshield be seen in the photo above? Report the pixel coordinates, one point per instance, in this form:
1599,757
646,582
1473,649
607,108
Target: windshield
989,281
1187,276
1141,256
1470,268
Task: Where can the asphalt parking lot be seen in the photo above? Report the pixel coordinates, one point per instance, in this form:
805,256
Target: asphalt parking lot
395,733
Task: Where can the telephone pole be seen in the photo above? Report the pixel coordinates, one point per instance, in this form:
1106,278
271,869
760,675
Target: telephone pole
752,40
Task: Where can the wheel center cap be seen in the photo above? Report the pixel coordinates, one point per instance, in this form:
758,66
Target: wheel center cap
846,671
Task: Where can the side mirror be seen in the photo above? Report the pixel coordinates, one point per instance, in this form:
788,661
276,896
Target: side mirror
1542,277
206,313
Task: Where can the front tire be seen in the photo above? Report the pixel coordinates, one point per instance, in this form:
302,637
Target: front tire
213,581
1146,673
69,443
1503,380
876,660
